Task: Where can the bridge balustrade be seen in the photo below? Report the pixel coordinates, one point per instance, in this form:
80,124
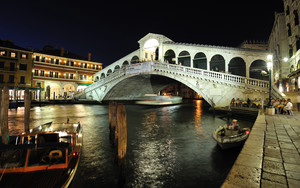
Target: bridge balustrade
188,72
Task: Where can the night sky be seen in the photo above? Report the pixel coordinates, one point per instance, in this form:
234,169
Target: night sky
110,29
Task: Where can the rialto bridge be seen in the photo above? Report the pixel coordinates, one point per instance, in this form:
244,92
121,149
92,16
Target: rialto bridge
217,73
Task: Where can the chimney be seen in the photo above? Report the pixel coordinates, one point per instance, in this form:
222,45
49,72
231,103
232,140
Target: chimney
89,56
62,51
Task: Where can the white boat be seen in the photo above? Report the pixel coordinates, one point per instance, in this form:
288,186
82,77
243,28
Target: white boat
230,136
156,100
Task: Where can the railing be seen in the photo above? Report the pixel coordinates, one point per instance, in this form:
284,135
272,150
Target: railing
195,73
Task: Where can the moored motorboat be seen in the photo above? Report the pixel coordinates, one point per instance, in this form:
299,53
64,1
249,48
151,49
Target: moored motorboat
47,156
230,136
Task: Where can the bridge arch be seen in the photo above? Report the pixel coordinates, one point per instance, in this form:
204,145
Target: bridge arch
237,66
125,63
200,61
184,58
258,70
135,59
108,72
170,56
117,67
217,63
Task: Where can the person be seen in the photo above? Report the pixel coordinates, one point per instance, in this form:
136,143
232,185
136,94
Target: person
289,107
248,102
232,102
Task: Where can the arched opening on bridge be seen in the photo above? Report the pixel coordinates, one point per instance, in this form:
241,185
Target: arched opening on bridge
151,50
96,79
259,70
170,57
184,59
217,63
102,76
237,66
200,61
117,67
125,63
108,72
135,60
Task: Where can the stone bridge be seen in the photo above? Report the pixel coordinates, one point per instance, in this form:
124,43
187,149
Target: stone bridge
218,74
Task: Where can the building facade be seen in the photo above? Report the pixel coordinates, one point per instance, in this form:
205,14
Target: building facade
59,75
291,11
15,69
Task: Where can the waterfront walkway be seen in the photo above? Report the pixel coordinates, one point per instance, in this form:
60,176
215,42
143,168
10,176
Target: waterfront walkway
270,156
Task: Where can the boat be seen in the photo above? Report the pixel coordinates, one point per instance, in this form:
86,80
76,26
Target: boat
230,136
157,100
47,156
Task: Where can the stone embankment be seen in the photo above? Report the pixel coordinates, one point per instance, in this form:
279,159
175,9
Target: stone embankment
270,156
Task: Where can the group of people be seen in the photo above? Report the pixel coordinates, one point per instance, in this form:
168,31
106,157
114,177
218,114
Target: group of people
281,106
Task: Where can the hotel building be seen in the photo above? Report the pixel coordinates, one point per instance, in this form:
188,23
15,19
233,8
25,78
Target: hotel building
58,74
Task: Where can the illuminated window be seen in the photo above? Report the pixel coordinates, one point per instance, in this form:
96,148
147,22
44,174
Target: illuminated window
67,62
52,61
71,76
67,76
24,56
13,54
43,59
56,74
42,73
37,58
72,63
3,53
51,74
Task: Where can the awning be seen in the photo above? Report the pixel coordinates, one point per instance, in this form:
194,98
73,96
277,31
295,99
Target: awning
83,84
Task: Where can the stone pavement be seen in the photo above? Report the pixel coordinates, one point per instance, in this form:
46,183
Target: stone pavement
270,156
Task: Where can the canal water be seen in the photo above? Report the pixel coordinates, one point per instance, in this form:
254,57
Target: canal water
166,146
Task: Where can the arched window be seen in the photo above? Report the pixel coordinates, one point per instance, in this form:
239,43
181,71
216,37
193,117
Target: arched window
102,76
125,63
237,66
170,57
200,61
259,70
296,17
135,60
117,67
108,72
184,59
217,63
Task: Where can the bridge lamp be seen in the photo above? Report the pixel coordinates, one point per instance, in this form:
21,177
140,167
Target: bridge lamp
269,66
285,59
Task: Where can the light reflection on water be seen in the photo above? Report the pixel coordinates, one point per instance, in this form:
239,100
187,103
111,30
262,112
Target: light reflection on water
166,147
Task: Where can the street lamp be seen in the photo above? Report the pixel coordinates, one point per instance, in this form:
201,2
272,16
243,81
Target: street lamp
269,66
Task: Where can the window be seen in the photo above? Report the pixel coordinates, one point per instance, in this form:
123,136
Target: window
67,62
85,65
43,59
1,78
23,67
80,77
57,61
24,56
67,75
2,53
51,74
36,72
81,65
2,64
37,58
71,76
287,10
22,80
72,63
12,66
38,84
97,67
291,51
298,44
56,74
11,79
296,17
13,54
52,61
85,77
289,30
42,73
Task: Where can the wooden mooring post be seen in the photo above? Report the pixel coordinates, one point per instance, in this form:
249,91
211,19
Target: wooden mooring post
118,130
27,103
4,115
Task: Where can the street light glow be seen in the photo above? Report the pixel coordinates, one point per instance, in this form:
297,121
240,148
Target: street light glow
270,65
270,57
285,59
